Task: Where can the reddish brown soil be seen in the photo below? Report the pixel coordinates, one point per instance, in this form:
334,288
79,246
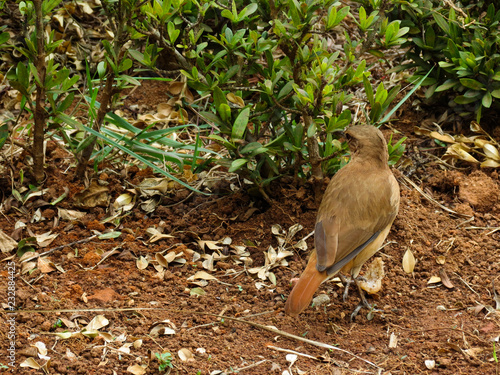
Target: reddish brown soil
455,327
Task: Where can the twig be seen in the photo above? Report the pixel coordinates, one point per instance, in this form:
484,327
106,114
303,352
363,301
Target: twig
466,284
236,370
188,312
59,248
438,329
431,199
292,352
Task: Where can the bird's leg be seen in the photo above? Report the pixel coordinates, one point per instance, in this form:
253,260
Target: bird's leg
346,282
364,302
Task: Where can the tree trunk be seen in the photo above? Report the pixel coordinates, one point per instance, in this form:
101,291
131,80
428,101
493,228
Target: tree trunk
39,115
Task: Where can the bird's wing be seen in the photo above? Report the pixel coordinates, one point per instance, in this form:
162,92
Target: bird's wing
336,245
351,221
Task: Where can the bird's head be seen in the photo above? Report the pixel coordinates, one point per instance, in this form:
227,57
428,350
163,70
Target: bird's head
366,141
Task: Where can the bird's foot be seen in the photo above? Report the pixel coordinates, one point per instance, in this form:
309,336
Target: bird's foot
346,281
363,303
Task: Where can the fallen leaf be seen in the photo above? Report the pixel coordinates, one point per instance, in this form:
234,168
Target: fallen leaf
185,355
408,261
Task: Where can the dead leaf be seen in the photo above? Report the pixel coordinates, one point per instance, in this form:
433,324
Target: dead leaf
372,279
408,261
238,101
185,355
95,195
142,263
137,369
45,265
393,341
445,279
434,280
97,323
6,243
202,275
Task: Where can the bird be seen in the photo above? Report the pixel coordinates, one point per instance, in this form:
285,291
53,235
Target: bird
354,217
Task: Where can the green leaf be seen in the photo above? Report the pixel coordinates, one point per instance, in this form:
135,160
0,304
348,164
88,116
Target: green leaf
137,55
368,89
237,164
448,84
487,100
226,13
173,33
495,93
240,124
251,147
471,83
225,112
4,134
441,22
247,11
219,98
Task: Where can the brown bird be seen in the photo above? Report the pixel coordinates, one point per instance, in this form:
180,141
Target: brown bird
354,217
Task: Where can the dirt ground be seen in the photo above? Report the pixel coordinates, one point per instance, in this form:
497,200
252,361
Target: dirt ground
445,327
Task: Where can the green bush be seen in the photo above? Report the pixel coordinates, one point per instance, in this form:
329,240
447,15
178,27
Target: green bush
461,42
275,80
280,91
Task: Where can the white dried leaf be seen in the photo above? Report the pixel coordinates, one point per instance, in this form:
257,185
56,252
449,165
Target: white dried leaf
31,363
45,239
185,355
442,137
211,245
136,369
142,263
69,215
161,260
434,280
491,152
70,355
393,341
372,279
6,243
291,358
97,323
408,261
137,343
41,348
430,364
489,163
202,275
125,348
441,259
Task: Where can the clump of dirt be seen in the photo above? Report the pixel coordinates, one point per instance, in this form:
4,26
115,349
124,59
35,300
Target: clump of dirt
480,190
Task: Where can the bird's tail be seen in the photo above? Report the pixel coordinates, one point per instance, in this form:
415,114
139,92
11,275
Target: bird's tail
303,291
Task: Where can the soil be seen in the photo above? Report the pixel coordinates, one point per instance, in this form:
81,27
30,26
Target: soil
438,327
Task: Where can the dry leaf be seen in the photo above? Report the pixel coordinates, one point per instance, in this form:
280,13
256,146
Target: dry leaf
137,369
45,265
372,279
202,275
97,323
6,243
430,364
185,355
408,261
445,279
434,280
142,263
393,341
441,259
235,100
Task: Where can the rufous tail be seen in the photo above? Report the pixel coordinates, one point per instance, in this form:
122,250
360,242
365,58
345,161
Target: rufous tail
304,290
